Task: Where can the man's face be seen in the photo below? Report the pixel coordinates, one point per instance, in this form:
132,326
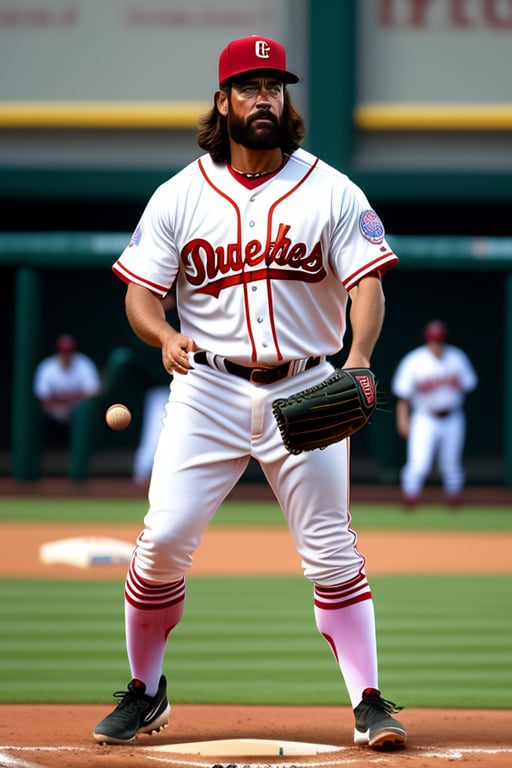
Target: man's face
254,108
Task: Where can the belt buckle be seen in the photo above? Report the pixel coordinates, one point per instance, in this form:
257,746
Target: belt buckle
270,375
257,371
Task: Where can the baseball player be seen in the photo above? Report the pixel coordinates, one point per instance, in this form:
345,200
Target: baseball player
266,244
64,379
430,383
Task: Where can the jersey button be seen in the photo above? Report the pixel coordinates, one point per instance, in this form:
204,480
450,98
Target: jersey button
251,223
260,319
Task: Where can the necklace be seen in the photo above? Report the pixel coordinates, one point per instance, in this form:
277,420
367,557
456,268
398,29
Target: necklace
254,175
259,174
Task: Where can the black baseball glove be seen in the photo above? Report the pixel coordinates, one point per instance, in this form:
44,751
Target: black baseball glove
328,412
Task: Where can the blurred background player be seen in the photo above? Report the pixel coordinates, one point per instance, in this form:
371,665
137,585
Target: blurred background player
430,383
60,382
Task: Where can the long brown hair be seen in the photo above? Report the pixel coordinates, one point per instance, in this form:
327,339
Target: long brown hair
213,135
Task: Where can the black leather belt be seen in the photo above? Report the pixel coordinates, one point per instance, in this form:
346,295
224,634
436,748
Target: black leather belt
441,414
258,375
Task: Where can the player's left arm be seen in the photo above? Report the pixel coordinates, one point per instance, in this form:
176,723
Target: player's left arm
366,319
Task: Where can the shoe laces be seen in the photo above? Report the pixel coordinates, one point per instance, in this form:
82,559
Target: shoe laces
133,695
374,699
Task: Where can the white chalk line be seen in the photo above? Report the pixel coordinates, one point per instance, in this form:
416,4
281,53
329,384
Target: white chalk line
9,759
455,753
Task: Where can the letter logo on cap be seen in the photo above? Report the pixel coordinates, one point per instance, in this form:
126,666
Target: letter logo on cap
262,49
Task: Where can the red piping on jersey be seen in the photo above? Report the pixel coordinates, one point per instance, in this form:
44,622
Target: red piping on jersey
379,263
254,355
269,273
347,502
130,277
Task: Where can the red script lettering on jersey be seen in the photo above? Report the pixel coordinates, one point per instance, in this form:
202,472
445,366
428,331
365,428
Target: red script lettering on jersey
212,269
449,380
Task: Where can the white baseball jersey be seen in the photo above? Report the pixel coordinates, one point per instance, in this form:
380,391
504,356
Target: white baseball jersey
262,274
433,383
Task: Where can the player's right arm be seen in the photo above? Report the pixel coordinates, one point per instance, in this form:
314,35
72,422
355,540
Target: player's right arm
146,315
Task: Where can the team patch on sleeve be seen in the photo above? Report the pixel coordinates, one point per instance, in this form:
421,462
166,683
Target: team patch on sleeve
371,227
136,237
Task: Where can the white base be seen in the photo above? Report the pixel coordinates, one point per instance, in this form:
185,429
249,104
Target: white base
84,551
246,747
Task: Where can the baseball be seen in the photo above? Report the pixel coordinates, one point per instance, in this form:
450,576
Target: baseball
118,417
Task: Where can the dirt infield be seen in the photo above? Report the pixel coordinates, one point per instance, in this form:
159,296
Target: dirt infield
60,736
237,551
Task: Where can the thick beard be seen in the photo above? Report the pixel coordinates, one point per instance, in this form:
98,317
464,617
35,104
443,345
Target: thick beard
253,138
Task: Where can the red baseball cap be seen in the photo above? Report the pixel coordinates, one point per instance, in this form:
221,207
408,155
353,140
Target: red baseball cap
249,54
66,344
435,331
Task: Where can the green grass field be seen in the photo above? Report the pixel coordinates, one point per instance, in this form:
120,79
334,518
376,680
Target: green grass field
425,517
444,640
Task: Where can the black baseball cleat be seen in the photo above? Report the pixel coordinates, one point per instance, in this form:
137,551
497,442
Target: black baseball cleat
374,725
136,713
